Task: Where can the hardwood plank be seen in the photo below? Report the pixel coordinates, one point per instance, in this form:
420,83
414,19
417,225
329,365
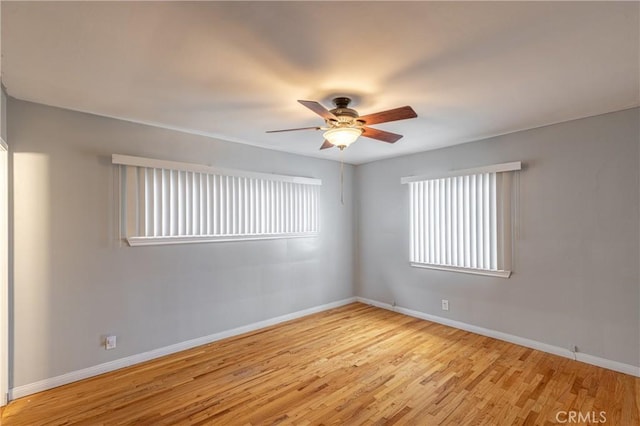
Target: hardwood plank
352,365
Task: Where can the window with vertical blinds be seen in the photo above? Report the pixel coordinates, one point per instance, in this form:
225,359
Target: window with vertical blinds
165,202
462,222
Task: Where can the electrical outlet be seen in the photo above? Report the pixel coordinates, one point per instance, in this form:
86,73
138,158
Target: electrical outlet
110,342
445,305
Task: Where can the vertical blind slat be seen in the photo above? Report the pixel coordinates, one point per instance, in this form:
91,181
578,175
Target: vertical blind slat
165,203
480,220
494,224
487,227
157,212
138,182
215,196
173,177
202,193
195,197
454,221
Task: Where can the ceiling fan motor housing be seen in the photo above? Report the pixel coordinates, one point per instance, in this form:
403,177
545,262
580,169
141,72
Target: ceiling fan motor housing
343,113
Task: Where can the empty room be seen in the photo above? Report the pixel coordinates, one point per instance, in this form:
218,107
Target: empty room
320,213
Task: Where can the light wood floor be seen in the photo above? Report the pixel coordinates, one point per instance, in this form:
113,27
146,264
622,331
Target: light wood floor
352,365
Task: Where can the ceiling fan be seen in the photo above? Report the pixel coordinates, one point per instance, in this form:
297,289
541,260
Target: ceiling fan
343,125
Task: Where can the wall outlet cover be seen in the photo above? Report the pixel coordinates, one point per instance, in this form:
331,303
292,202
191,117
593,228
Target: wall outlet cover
110,342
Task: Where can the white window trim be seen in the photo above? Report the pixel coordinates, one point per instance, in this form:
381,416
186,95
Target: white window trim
495,168
486,272
196,239
505,212
128,160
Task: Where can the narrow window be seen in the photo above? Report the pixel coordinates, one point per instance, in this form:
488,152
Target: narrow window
165,202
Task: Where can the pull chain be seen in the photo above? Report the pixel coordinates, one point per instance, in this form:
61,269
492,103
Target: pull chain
341,175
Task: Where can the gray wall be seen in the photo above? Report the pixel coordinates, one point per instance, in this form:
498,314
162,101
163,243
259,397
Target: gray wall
575,277
74,282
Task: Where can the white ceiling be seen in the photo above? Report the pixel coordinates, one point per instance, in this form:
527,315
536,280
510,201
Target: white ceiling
232,70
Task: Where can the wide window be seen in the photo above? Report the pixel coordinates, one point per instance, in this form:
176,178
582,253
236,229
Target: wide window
166,202
463,221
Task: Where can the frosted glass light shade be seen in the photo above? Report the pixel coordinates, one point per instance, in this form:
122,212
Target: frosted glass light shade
342,136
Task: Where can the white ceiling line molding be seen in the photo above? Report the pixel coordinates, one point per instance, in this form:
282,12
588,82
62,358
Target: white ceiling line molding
494,168
129,160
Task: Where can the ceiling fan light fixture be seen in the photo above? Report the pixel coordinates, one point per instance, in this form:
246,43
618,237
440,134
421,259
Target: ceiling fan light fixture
342,136
345,125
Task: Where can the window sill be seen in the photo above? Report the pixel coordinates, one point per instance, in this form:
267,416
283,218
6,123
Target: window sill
500,274
155,241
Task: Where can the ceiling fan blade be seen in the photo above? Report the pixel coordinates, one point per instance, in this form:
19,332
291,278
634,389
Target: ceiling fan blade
293,130
326,144
380,135
319,109
401,113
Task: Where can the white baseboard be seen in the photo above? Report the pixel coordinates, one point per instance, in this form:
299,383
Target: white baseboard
533,344
42,385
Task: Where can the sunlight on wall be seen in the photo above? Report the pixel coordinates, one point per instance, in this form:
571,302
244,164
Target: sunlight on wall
32,258
4,273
